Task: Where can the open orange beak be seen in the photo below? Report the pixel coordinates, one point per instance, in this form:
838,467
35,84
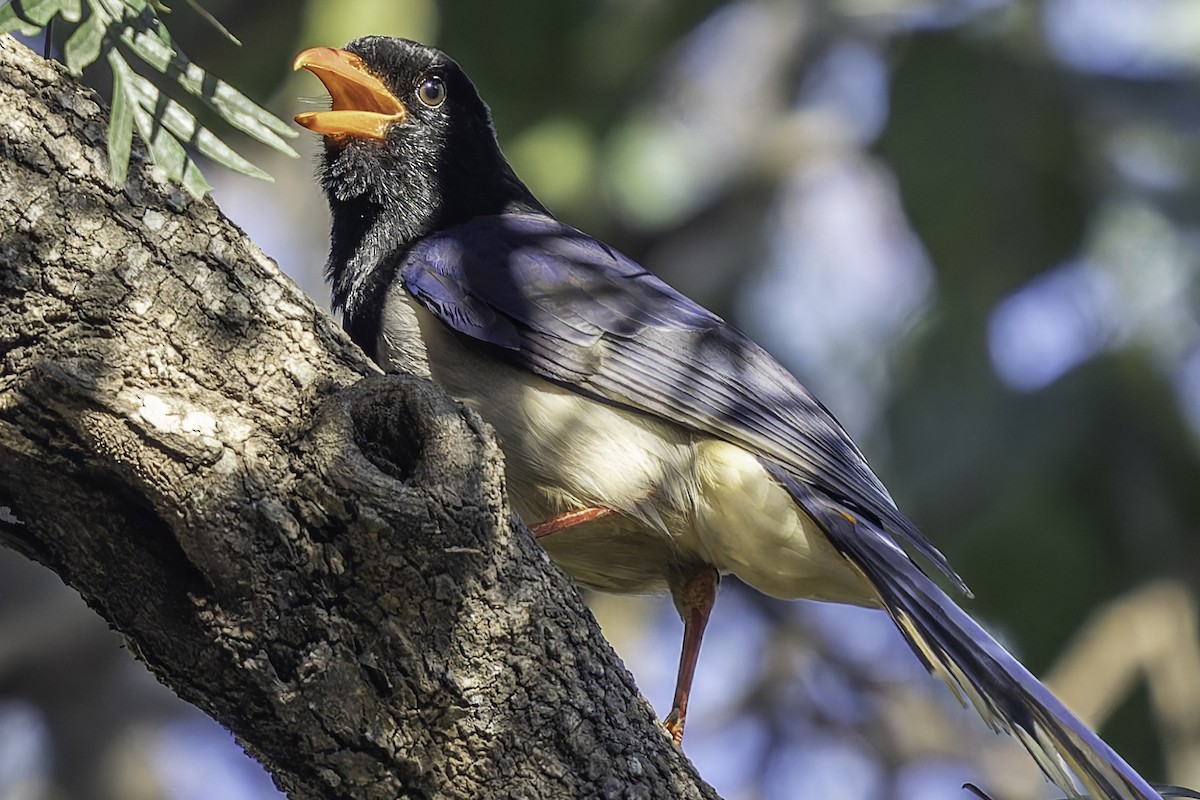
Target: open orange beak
362,106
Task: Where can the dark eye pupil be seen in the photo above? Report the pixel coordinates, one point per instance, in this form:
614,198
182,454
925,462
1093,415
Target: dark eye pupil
432,92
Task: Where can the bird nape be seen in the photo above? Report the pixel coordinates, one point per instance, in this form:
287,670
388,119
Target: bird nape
650,445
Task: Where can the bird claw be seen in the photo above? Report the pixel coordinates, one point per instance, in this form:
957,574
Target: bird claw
674,726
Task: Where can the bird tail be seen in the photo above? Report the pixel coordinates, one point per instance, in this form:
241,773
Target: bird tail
974,665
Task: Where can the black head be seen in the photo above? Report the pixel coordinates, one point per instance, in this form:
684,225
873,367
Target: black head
409,150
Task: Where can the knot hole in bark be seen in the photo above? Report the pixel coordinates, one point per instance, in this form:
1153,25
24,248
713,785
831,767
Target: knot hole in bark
411,431
385,415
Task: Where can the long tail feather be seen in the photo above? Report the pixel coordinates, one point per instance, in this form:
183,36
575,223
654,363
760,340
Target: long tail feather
972,663
1166,790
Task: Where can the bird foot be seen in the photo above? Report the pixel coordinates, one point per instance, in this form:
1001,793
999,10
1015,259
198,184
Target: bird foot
674,725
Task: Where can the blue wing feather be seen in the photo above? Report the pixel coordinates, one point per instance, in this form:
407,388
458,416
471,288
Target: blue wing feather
572,310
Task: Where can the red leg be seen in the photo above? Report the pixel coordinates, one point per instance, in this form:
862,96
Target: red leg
694,600
568,520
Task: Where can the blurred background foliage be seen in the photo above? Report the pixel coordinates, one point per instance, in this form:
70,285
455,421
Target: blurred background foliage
969,225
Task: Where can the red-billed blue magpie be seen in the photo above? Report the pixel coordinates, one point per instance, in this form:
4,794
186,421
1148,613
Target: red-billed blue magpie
650,445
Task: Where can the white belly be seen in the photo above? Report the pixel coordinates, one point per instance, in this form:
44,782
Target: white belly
683,499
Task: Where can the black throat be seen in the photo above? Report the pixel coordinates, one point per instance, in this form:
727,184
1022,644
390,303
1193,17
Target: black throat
374,226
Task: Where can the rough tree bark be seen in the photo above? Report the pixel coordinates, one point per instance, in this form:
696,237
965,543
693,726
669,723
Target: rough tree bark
320,557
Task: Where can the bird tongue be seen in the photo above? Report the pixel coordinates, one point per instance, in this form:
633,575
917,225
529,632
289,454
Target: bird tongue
362,106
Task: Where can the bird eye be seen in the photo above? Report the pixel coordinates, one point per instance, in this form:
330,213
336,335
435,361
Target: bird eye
432,92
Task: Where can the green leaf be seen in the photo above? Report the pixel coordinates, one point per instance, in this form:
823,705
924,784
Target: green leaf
120,123
112,9
169,155
216,23
30,16
83,47
233,106
183,126
39,11
9,22
193,180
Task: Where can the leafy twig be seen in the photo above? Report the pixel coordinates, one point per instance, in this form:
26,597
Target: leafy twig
117,28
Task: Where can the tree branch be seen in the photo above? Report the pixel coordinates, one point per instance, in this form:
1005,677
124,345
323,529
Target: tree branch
320,557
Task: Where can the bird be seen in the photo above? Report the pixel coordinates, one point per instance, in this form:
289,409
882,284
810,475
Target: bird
649,445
